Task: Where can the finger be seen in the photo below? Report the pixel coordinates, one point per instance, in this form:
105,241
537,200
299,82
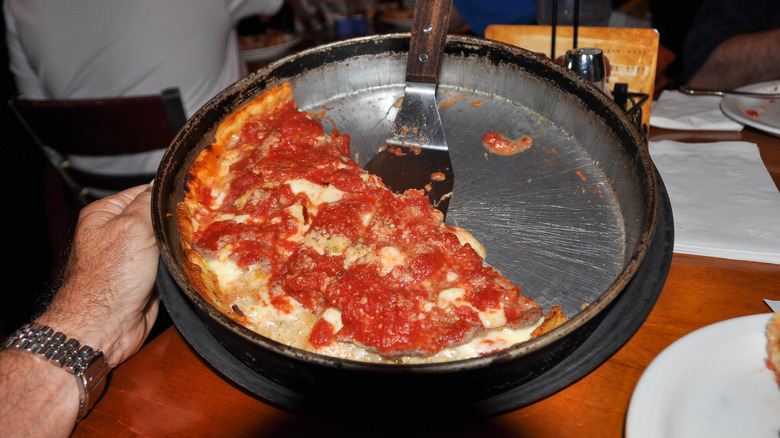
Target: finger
119,202
141,201
98,213
101,212
151,311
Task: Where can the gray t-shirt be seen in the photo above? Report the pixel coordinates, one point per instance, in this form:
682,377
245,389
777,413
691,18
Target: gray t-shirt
111,48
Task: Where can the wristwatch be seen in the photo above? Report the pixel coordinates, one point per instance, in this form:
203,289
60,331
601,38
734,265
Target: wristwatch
89,366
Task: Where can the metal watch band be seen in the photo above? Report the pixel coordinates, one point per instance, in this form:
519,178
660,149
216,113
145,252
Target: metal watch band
89,366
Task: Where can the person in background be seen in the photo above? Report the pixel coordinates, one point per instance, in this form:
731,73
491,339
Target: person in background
101,49
479,14
672,19
732,43
112,48
105,302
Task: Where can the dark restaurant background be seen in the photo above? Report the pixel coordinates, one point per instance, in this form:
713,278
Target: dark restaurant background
28,267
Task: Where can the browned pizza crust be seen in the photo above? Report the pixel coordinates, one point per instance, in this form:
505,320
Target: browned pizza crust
203,173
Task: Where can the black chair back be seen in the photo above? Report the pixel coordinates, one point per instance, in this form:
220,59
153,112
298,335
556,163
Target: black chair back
100,127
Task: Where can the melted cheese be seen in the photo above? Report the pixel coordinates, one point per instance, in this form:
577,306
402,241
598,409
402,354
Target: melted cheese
333,316
226,270
390,257
493,318
293,327
330,245
316,193
452,297
295,211
358,253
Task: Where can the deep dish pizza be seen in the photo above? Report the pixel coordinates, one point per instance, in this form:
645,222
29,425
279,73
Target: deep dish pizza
288,236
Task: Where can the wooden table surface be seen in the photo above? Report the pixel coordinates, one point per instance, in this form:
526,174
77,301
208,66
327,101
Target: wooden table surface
166,389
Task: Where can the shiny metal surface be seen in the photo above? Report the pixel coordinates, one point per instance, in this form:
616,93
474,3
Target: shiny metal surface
417,130
570,219
420,125
586,62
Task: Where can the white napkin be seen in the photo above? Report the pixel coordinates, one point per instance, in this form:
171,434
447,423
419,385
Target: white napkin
676,110
724,201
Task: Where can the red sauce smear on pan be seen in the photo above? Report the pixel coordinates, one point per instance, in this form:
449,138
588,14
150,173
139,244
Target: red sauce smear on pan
498,144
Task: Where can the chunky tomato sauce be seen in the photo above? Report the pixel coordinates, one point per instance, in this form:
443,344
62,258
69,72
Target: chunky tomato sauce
500,145
390,306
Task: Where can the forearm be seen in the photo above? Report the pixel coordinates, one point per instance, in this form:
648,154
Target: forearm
39,398
105,303
90,321
741,60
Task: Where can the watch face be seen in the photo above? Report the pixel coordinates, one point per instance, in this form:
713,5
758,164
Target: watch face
93,378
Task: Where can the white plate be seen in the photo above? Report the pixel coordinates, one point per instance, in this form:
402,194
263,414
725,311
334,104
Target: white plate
762,114
270,53
711,383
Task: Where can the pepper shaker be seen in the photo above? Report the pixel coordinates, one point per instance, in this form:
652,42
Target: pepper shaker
588,63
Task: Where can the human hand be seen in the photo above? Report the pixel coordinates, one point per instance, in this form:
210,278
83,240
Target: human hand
106,298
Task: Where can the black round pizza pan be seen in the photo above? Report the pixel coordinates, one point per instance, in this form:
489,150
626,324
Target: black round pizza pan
570,220
620,322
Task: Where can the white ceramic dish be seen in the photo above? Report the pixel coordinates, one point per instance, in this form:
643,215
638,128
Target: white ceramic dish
711,383
762,114
273,52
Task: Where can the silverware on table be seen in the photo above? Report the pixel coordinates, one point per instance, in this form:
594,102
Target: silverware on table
698,91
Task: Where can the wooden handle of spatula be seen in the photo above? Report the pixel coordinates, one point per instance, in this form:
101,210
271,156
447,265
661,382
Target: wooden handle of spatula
429,33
